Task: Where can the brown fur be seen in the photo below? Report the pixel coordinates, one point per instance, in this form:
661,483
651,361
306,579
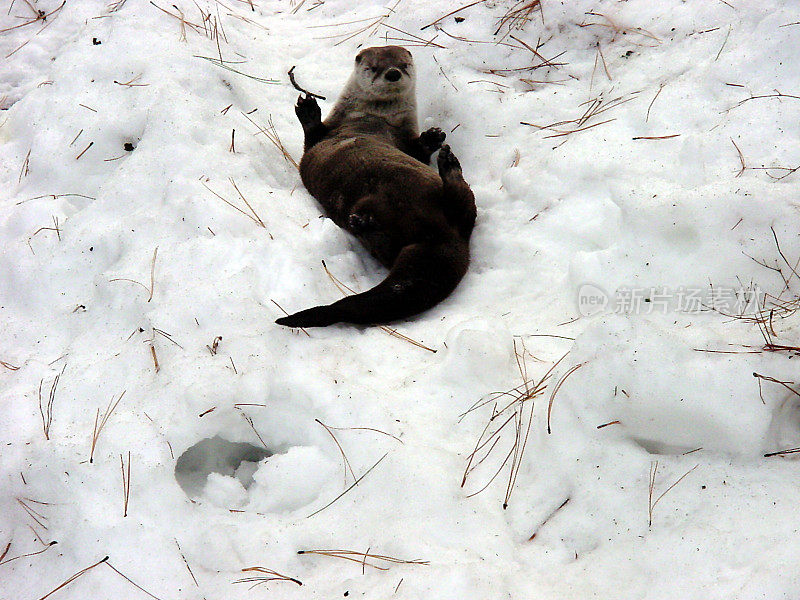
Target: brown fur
367,165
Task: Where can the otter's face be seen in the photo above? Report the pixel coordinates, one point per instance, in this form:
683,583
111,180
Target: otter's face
385,72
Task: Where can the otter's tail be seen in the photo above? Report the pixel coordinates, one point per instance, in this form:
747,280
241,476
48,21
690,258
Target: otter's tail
422,276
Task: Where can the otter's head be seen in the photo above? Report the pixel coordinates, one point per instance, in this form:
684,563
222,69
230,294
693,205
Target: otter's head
384,72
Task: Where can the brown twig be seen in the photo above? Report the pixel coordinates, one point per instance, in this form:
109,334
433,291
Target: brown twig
299,89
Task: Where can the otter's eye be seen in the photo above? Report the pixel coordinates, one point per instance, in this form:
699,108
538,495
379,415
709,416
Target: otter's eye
375,69
358,59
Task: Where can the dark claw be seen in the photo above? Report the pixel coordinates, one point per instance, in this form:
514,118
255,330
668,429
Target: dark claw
447,161
308,111
432,139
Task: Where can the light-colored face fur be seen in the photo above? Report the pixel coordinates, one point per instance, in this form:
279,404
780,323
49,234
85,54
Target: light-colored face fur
382,85
384,73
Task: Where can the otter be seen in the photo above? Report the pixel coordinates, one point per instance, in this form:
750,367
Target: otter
368,167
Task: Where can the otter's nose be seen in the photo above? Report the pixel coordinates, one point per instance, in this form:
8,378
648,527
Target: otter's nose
393,75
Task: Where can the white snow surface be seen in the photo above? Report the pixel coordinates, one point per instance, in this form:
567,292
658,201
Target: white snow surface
79,226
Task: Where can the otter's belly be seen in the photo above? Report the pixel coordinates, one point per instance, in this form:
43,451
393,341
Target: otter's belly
342,171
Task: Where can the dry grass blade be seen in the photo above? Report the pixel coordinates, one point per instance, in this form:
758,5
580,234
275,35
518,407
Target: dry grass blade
100,422
741,159
594,107
366,429
345,289
656,137
126,483
354,484
555,391
782,452
129,580
550,516
519,15
779,382
361,558
23,172
214,345
153,274
73,578
618,29
184,22
783,256
269,575
8,366
371,27
256,218
46,411
346,463
34,514
777,94
13,558
252,215
40,16
517,409
272,135
451,13
651,489
225,64
249,421
150,289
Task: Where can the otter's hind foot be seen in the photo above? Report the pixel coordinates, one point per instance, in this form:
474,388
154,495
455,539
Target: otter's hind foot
449,167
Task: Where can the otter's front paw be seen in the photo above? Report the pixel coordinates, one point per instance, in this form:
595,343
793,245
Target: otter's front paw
432,139
448,163
308,111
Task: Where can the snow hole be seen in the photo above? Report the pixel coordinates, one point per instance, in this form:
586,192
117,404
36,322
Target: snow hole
217,455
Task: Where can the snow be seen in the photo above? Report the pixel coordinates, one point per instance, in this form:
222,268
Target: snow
647,394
